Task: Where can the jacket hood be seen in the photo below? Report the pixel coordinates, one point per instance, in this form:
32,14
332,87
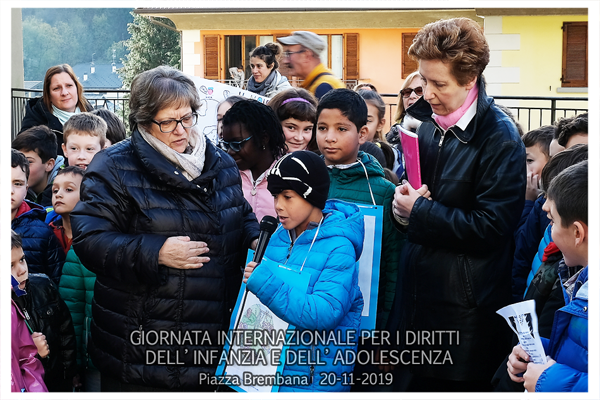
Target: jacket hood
36,212
371,165
343,220
422,111
60,160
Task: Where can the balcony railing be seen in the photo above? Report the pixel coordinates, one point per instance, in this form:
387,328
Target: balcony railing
531,111
115,100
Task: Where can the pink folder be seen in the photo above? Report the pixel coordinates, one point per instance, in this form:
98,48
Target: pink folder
410,148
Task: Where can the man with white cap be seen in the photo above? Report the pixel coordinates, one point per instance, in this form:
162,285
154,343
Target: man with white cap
301,54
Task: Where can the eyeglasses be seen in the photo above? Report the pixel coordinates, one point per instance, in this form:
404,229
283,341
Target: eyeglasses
170,125
235,146
406,92
287,54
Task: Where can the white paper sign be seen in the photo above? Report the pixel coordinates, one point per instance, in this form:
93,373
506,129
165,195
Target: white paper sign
211,94
522,319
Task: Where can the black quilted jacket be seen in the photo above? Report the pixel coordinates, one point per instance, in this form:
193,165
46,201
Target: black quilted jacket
132,200
50,315
456,265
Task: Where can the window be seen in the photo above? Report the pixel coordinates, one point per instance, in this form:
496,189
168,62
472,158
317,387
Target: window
340,54
575,55
408,64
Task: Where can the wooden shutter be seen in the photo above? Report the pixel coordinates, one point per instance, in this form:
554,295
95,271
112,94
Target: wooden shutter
212,59
351,59
408,64
575,55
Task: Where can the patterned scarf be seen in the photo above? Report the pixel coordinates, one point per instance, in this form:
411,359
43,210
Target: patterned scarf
191,161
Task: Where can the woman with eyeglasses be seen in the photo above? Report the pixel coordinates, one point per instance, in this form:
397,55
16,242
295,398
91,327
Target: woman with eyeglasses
266,79
457,261
253,136
62,97
412,90
163,223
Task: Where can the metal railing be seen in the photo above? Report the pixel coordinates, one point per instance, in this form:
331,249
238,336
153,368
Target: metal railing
530,111
350,83
115,100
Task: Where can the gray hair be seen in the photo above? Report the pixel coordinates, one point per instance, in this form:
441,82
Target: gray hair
158,88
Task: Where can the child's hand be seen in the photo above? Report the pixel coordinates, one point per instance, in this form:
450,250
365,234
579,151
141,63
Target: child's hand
517,363
533,187
248,271
41,343
533,373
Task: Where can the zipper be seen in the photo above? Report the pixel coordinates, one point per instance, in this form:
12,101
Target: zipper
437,159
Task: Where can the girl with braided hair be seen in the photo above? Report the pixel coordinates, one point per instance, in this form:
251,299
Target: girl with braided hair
253,136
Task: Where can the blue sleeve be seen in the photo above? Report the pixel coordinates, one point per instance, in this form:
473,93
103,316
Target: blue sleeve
527,240
562,378
321,309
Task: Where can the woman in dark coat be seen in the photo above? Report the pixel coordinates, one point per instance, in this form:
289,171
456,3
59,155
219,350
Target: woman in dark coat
163,223
456,266
62,97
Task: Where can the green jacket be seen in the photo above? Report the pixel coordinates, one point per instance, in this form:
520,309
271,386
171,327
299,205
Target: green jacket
77,290
351,185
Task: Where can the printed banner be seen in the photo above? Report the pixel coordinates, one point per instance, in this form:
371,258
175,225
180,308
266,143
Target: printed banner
211,94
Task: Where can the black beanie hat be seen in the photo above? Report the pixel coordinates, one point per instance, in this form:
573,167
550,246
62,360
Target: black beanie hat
305,173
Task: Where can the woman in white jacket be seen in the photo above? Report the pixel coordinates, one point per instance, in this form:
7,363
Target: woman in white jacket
266,80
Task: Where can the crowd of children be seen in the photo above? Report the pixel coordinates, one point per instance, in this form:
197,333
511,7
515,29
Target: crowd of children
310,164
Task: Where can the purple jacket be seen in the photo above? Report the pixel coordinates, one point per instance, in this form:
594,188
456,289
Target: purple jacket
27,372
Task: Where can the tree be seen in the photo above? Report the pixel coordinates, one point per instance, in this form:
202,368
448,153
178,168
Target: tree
150,46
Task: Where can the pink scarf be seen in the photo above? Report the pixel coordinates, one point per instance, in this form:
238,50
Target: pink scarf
446,121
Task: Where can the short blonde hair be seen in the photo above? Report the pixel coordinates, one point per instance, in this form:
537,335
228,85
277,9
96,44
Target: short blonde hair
88,123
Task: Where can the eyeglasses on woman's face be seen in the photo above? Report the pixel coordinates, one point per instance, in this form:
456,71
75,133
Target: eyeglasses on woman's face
170,125
235,146
407,92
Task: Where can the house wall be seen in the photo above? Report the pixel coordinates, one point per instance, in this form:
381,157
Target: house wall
538,55
380,53
526,60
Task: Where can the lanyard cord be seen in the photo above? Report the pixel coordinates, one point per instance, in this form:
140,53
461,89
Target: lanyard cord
368,182
311,245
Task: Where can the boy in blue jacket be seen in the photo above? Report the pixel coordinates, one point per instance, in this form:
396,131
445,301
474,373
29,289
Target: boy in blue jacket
323,239
567,366
41,247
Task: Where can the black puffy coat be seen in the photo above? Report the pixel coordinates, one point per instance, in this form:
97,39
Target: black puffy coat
43,251
36,114
456,265
132,200
50,315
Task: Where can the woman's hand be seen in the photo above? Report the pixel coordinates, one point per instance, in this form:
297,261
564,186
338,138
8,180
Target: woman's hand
533,373
248,270
182,253
533,187
405,197
517,363
39,339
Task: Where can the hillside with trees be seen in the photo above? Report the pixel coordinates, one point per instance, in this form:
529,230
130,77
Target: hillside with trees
54,36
